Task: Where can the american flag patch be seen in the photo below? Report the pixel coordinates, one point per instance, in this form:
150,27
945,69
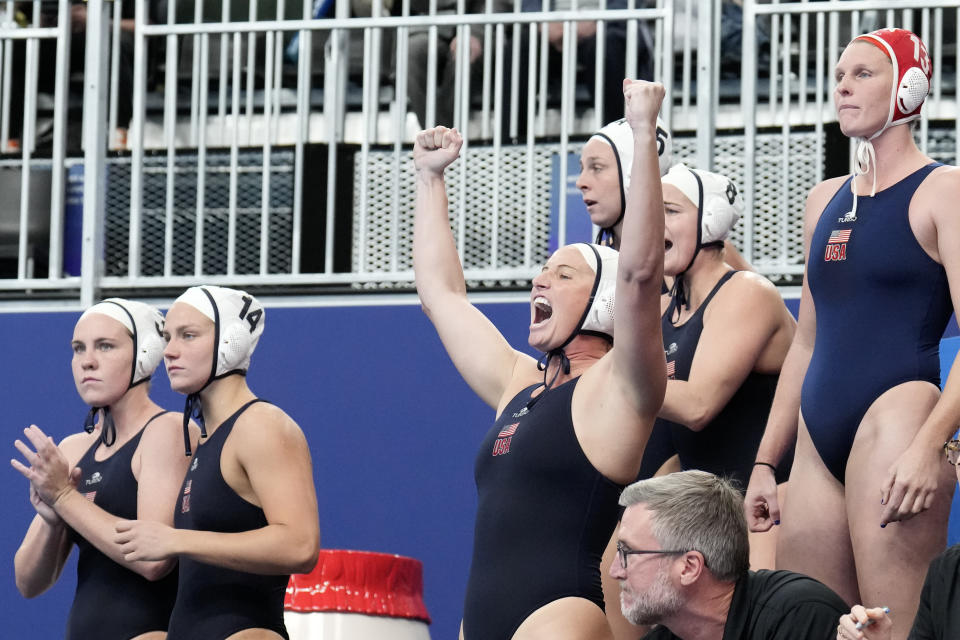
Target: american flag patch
90,495
839,236
509,430
671,368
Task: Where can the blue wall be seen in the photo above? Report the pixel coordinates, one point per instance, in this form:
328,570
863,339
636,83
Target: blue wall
392,428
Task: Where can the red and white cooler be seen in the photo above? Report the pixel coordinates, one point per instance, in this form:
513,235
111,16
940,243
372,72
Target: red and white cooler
358,595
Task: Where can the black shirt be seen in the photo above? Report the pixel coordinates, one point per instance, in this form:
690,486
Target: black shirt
777,605
939,601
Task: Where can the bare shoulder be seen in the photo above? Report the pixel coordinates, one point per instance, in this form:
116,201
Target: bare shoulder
76,444
265,425
525,373
820,195
165,434
747,292
941,186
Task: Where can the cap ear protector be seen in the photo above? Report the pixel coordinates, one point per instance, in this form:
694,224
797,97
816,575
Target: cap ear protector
597,319
912,70
150,347
913,90
236,344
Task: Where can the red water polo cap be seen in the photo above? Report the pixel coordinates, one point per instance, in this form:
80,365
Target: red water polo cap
912,68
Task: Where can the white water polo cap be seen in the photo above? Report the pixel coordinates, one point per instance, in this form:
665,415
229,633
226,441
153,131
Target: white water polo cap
145,324
238,319
598,316
619,135
719,206
717,199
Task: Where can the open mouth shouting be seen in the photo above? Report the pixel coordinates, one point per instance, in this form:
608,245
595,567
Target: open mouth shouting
542,311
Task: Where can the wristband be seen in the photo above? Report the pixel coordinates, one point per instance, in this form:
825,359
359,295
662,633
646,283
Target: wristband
766,464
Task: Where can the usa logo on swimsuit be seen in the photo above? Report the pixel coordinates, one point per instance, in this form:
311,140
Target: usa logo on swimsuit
836,249
671,369
501,445
185,505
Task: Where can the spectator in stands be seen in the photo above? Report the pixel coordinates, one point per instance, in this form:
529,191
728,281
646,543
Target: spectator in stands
613,66
870,496
47,67
683,564
447,47
938,617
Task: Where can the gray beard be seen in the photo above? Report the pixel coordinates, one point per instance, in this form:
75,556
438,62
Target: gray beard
655,604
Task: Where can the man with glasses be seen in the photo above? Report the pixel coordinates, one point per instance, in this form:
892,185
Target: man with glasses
683,564
938,616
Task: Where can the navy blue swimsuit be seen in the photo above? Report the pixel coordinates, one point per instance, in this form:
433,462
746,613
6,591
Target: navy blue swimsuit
111,601
214,602
728,445
882,304
544,516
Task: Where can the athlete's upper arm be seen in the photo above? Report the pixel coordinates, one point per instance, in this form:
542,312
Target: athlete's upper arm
477,348
742,319
162,468
946,189
275,456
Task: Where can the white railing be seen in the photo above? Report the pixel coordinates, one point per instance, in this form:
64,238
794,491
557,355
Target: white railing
243,169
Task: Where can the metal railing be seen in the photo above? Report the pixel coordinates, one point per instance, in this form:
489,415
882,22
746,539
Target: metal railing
250,169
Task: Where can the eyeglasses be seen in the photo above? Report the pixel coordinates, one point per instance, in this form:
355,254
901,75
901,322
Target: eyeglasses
952,449
623,551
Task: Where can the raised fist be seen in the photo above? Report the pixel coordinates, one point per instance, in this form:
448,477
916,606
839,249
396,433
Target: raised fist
435,149
642,102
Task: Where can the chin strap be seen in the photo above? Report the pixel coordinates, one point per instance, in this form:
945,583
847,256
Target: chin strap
678,296
605,237
865,157
192,409
544,365
108,431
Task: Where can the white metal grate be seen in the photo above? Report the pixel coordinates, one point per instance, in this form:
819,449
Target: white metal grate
383,234
216,214
778,206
